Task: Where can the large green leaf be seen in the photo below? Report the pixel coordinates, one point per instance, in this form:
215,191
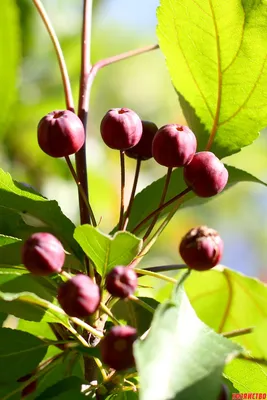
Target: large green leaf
65,389
26,296
9,59
247,376
36,210
235,302
148,199
181,358
228,301
106,251
20,353
216,54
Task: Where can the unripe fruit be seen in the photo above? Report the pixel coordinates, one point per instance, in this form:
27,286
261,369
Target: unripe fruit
174,145
60,133
121,281
121,128
79,296
28,389
117,347
43,254
206,175
201,248
143,149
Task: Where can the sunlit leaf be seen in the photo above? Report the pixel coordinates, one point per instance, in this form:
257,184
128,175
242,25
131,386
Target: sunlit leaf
181,358
106,251
218,64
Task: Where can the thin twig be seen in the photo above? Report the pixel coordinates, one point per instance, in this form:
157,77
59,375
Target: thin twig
159,209
111,60
156,275
166,268
80,156
62,65
238,332
81,191
142,303
129,208
163,196
122,164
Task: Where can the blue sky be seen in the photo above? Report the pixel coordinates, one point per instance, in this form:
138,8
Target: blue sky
139,14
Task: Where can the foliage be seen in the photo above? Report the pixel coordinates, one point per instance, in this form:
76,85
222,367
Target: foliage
209,327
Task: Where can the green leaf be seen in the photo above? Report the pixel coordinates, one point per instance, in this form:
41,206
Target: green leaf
134,314
219,66
105,251
65,389
235,302
181,358
226,301
36,211
9,56
20,353
71,366
42,330
10,250
247,376
148,199
27,296
28,306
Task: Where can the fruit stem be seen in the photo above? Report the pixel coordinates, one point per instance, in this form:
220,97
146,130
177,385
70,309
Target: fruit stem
122,163
164,268
136,176
107,311
156,275
81,191
101,368
80,156
62,65
164,205
111,60
155,236
78,336
141,303
163,196
238,332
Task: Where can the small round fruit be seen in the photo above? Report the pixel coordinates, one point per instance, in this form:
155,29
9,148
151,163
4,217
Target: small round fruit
121,281
121,128
43,254
28,389
117,347
143,149
174,145
79,296
201,248
60,133
206,175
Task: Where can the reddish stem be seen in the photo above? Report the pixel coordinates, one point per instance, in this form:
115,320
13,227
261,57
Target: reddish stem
136,176
163,196
80,157
122,163
159,209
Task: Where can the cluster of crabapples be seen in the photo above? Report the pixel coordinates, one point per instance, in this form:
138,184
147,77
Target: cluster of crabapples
61,134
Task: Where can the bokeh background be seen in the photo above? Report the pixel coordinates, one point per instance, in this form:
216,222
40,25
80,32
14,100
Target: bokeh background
141,83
